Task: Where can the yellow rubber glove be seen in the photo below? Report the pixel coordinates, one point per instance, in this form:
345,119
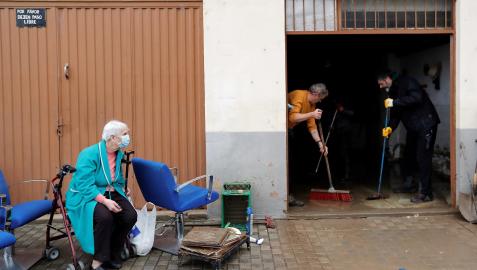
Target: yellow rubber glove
387,132
388,103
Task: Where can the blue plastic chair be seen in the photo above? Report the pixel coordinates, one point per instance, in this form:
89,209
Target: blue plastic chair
15,216
6,239
24,212
158,185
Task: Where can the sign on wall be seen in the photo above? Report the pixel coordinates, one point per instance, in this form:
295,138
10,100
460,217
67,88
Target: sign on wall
31,17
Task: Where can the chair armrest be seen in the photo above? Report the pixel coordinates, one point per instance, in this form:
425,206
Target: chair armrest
47,190
175,173
178,188
211,182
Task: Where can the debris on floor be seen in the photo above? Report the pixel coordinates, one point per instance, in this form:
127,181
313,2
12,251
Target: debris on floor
269,223
212,244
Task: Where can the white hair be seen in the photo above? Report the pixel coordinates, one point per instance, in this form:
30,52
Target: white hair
319,88
113,128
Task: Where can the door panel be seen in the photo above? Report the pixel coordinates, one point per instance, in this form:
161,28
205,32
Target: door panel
28,104
169,100
139,64
95,44
169,123
143,66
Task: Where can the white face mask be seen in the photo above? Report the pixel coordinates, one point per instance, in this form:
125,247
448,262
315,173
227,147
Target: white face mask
125,140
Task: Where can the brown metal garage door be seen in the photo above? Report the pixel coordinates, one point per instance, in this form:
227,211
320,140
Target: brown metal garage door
139,64
28,104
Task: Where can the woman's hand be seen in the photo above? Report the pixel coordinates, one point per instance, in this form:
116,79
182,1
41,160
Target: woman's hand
323,149
112,206
316,114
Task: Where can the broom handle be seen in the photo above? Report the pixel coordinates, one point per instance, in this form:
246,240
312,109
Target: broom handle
320,133
386,122
329,173
326,141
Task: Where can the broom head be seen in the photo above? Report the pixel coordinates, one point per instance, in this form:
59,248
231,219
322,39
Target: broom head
327,195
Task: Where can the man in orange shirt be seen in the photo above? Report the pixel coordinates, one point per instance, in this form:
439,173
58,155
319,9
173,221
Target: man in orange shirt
301,104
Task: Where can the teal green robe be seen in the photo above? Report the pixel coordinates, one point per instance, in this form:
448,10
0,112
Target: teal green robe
88,181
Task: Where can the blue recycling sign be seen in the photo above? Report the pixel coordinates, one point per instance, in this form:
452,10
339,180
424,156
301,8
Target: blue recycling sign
31,17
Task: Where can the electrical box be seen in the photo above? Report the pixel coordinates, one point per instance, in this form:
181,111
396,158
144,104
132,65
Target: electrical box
236,197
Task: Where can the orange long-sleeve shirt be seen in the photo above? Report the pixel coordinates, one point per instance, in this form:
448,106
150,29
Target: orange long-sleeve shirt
299,100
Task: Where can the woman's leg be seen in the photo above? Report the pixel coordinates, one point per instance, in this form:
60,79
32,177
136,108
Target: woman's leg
123,222
102,224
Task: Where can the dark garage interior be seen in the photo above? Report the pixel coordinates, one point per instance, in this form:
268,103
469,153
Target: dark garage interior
348,65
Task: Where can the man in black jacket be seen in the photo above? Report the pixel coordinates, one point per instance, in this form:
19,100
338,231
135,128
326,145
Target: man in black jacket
410,104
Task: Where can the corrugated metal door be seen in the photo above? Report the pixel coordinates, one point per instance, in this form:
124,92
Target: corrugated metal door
140,65
95,86
168,82
138,62
28,104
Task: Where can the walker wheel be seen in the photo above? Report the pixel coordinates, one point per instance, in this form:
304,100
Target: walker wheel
134,250
80,266
125,254
52,253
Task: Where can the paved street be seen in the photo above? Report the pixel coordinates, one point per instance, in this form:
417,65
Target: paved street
411,243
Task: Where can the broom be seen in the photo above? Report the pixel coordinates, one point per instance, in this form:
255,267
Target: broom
331,194
326,141
378,195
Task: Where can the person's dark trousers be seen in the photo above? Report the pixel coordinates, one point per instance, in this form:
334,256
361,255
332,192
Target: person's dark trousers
302,152
422,144
111,229
425,150
409,163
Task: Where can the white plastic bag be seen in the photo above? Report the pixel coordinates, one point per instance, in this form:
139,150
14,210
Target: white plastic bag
142,234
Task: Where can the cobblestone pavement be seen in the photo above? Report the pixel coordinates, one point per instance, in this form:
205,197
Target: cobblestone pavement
411,243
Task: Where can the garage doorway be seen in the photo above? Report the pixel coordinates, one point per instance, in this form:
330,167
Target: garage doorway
348,65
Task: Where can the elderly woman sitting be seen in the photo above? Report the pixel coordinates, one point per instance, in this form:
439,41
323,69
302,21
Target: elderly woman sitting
99,211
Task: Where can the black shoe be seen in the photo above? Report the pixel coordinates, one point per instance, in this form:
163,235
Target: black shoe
294,202
421,198
404,189
112,265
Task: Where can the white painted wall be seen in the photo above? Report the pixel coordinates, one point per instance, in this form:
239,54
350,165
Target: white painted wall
466,93
244,46
466,64
245,97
